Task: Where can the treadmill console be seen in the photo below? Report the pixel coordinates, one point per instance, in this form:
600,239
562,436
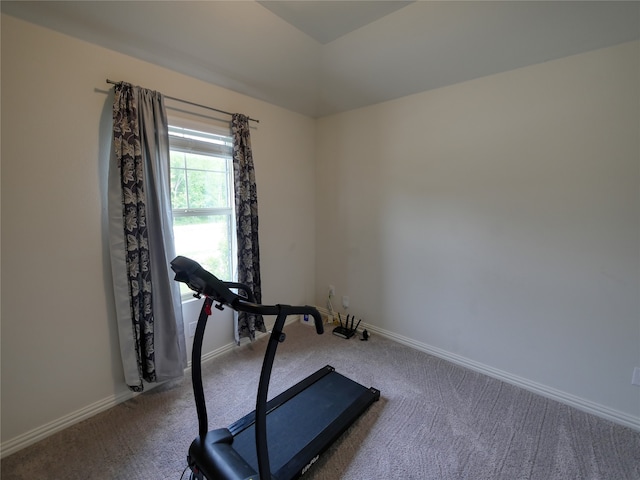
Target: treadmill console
202,282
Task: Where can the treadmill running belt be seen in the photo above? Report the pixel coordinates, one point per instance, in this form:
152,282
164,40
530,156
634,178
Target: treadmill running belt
301,420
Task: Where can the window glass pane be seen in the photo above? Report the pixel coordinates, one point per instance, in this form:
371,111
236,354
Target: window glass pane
207,189
201,188
177,159
206,162
207,240
179,189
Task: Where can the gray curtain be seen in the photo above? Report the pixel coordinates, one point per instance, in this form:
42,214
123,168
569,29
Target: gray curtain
148,305
246,203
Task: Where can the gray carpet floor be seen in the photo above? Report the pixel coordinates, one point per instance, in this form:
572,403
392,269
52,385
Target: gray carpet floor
435,420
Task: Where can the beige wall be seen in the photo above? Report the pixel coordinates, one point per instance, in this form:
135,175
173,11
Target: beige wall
496,222
60,353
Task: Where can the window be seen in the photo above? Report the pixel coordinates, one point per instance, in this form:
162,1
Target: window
202,200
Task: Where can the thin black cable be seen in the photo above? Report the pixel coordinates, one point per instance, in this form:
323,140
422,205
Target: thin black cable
184,471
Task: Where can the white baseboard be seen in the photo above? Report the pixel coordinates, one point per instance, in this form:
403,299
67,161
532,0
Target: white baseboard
40,433
48,429
588,406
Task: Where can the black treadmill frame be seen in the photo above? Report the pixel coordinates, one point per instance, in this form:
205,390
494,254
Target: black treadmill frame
203,447
308,454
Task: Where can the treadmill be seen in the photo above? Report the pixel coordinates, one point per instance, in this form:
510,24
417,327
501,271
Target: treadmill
283,437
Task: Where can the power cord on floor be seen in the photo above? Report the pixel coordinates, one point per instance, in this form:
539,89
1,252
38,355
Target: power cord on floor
190,477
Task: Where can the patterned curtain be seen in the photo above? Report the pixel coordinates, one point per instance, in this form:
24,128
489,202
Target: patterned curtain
246,203
148,305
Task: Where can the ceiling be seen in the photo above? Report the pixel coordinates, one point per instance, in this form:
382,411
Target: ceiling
328,20
324,57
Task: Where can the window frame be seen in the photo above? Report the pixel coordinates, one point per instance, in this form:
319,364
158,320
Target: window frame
204,148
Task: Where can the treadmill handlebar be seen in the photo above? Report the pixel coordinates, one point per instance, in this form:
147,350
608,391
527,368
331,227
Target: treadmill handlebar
202,282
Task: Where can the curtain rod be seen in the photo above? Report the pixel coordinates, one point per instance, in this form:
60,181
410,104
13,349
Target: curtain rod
191,103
